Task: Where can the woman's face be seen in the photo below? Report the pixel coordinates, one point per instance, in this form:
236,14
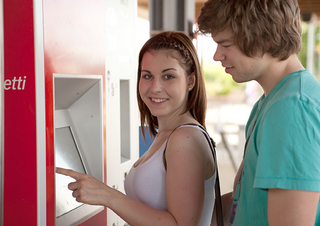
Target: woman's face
164,85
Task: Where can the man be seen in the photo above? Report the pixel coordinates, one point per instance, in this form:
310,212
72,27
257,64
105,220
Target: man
278,182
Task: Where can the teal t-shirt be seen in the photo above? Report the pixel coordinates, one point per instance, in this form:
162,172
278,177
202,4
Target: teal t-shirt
283,150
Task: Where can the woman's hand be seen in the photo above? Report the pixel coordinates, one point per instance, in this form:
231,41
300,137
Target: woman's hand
87,189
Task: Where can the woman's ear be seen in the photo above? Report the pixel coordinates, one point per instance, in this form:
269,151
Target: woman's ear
191,80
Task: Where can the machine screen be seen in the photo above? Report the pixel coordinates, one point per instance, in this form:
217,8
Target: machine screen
67,156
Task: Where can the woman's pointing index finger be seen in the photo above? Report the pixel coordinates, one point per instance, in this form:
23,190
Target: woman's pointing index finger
68,172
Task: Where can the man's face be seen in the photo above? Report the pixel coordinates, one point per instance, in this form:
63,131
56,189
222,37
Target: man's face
241,67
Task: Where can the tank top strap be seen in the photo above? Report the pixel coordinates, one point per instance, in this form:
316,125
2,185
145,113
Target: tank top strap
204,131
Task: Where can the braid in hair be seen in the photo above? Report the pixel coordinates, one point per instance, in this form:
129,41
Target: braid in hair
168,41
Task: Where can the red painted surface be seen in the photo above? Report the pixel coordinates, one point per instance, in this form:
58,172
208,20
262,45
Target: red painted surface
20,172
74,43
50,147
99,219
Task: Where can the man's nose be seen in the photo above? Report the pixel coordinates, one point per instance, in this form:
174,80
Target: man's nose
219,55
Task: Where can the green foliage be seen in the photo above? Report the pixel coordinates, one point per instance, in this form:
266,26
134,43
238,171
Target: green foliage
217,81
303,53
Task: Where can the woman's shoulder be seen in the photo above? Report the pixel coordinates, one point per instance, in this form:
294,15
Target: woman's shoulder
187,129
188,134
188,143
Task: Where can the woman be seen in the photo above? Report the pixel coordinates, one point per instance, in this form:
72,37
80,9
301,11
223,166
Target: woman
172,183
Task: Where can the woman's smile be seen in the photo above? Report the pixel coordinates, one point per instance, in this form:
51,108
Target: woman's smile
158,100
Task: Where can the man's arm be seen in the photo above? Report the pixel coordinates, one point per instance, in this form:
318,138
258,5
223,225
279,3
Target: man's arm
227,201
292,207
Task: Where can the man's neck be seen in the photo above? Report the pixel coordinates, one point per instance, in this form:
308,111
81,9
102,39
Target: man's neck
277,71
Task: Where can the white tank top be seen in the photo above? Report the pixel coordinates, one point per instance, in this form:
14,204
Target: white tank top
146,183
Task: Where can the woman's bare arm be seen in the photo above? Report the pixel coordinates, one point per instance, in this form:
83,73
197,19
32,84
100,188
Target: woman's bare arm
185,187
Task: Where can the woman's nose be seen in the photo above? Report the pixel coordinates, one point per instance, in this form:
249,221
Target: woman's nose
156,85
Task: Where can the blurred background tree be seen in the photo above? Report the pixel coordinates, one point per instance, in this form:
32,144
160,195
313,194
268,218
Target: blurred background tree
217,81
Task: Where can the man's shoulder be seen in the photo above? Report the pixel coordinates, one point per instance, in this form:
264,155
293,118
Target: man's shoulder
301,86
310,87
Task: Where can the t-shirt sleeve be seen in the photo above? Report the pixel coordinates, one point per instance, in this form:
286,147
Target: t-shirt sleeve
289,147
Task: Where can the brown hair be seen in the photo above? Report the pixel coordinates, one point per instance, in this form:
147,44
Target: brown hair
184,51
272,26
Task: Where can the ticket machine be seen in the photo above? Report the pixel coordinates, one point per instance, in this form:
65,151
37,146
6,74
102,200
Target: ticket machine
68,72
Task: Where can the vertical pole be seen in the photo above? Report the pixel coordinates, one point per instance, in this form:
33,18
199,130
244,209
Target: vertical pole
40,114
155,14
172,15
310,47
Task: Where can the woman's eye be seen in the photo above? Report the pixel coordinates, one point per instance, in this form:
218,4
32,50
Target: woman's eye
168,77
146,76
